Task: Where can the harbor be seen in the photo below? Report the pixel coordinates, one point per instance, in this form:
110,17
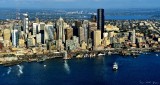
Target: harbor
98,70
15,59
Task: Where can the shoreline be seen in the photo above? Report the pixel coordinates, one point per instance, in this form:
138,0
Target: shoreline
14,59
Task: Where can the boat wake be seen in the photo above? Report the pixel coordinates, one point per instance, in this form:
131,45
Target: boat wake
66,67
20,70
9,70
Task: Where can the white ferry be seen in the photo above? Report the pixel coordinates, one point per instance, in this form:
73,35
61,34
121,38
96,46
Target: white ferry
115,66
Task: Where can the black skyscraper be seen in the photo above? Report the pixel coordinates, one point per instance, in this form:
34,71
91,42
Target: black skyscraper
100,21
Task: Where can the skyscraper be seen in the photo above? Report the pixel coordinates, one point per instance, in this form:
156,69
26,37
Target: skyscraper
15,36
81,34
42,32
134,36
60,28
25,26
50,30
35,29
69,33
25,23
85,26
97,38
6,36
100,21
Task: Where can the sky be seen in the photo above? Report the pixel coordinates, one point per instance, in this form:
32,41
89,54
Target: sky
80,4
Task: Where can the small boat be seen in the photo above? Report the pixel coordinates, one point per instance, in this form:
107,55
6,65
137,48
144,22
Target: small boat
79,56
135,54
44,65
100,54
90,55
109,53
41,60
86,55
115,66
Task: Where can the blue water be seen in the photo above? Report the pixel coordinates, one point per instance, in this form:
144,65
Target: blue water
143,70
127,17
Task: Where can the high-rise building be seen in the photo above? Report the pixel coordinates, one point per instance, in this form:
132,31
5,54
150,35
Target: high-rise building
35,29
37,20
30,42
85,26
60,28
46,33
134,37
25,29
1,32
15,38
69,33
81,34
25,23
21,43
42,37
97,38
100,21
7,34
42,27
75,28
6,37
38,38
72,44
50,32
78,24
92,28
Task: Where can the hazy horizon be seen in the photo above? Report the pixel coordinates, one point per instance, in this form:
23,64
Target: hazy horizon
79,4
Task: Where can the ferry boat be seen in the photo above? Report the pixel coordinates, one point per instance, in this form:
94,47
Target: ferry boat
115,66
